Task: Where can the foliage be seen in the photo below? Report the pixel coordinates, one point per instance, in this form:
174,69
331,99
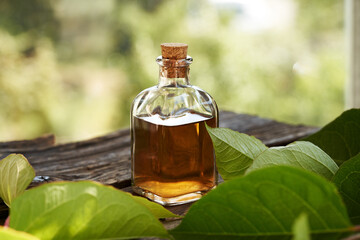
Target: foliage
17,17
82,210
16,174
340,138
257,83
347,179
300,154
73,67
272,202
11,234
265,203
237,153
28,84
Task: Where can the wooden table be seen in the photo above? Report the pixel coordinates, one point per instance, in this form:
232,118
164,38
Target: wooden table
106,159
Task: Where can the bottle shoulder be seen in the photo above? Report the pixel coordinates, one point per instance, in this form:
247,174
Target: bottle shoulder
173,101
173,92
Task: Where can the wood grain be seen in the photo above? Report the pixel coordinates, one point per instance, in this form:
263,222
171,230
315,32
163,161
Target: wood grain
106,159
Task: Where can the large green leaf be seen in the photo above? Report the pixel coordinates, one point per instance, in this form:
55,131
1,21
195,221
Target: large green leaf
82,210
298,154
11,234
264,204
156,209
234,151
340,138
347,179
15,176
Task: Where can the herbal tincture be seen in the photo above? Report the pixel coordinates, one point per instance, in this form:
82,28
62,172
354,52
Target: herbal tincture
173,159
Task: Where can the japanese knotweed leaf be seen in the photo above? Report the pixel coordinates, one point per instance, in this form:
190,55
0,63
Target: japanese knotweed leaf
82,210
234,151
347,179
15,176
264,205
11,234
340,138
298,154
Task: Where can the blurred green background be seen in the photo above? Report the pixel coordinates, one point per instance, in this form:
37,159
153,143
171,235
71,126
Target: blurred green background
72,68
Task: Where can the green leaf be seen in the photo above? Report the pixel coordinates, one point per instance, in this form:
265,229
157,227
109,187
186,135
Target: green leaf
301,228
264,204
347,179
340,138
16,174
82,210
11,234
298,154
234,151
156,209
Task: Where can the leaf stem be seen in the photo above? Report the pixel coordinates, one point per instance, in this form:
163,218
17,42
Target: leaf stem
353,237
356,236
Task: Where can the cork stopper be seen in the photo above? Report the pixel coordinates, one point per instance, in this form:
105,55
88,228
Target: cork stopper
173,61
174,50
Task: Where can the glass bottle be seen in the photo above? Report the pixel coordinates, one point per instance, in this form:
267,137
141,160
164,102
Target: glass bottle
173,160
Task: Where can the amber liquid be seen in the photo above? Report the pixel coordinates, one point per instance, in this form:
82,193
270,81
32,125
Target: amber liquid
173,164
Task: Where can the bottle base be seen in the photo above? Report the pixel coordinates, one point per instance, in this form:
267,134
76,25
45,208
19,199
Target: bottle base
170,201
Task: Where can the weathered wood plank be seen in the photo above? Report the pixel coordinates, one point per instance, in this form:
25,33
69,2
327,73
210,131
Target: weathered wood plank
22,145
106,159
270,132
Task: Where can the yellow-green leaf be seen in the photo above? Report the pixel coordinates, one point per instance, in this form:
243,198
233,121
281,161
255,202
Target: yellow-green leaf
16,174
82,210
298,154
235,151
11,234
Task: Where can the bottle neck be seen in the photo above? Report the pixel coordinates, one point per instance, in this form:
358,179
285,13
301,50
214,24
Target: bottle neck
173,77
173,72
